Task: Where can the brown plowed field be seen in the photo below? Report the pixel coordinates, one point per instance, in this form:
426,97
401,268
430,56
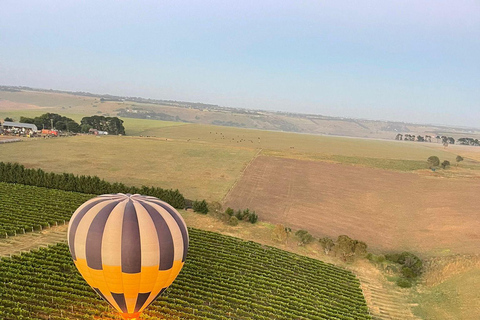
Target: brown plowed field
388,210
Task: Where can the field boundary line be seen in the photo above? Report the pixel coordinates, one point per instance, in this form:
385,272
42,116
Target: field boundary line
240,176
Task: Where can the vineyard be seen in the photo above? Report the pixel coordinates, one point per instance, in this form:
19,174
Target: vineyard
27,208
223,278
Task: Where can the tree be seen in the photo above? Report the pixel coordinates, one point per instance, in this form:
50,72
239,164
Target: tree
8,119
304,237
280,233
445,164
433,161
345,247
327,244
253,217
459,159
200,206
420,138
27,120
112,125
229,211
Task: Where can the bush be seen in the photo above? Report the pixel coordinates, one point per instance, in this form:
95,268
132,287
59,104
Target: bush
233,221
229,211
253,217
404,283
200,206
304,236
327,244
445,164
239,214
433,161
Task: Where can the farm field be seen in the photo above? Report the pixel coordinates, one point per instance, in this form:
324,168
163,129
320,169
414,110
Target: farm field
197,170
388,210
284,143
224,277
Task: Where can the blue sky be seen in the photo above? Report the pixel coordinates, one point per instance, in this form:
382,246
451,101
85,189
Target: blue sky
416,61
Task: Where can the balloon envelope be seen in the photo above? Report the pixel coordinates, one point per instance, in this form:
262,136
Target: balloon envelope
129,248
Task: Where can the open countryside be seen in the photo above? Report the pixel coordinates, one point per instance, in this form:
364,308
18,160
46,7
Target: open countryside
365,188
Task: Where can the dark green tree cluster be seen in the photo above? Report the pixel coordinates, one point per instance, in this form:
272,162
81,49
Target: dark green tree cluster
466,141
200,206
411,267
59,122
112,125
243,215
17,173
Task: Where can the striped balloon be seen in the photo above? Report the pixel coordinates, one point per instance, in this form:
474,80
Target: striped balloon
129,248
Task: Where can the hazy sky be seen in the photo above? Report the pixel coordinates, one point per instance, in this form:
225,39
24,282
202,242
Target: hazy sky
407,60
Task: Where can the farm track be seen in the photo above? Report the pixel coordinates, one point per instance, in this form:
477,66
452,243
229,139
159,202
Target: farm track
33,240
241,175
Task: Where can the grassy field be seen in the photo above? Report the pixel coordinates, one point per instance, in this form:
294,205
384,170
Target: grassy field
458,297
197,170
291,143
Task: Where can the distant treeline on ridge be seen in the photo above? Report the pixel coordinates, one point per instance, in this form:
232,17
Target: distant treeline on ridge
17,173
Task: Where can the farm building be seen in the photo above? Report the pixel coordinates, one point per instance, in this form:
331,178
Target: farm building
18,128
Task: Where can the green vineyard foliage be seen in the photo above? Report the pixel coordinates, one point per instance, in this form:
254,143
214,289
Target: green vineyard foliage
27,208
223,278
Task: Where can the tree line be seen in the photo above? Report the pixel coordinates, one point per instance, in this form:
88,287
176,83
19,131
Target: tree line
112,125
427,138
17,173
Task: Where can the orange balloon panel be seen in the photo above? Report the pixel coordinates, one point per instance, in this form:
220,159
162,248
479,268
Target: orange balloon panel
129,248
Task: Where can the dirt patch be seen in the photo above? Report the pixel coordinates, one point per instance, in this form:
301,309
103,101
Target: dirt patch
388,210
33,240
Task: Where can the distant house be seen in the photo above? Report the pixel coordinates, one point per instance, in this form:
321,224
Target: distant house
19,128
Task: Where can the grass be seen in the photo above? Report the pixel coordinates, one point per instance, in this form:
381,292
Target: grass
198,170
458,297
285,144
390,164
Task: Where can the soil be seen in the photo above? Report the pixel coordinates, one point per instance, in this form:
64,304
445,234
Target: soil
388,210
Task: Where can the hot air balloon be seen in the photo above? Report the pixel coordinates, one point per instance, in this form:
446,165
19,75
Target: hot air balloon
129,248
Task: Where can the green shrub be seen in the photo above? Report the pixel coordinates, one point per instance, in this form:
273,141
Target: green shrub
229,211
233,221
304,237
433,161
445,164
404,283
253,217
200,206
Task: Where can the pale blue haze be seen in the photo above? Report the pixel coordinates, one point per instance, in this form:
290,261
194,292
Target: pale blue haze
416,61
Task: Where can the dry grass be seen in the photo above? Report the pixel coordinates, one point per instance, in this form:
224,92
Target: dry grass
457,297
197,170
